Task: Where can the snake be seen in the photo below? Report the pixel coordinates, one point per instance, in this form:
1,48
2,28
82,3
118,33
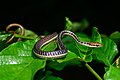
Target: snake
63,50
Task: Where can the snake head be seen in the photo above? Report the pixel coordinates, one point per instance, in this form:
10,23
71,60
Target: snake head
94,44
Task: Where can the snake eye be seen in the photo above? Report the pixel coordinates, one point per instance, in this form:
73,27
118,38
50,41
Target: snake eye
97,45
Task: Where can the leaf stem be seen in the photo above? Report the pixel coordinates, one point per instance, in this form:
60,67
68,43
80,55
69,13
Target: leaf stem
92,71
25,37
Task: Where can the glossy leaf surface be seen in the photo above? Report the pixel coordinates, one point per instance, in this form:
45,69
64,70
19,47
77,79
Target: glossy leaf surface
112,74
18,60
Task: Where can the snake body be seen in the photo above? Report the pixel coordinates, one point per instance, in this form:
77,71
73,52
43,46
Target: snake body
63,50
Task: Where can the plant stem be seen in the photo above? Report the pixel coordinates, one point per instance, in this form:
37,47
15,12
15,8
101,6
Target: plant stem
92,71
25,37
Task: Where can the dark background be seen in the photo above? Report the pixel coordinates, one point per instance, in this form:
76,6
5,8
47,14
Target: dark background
48,15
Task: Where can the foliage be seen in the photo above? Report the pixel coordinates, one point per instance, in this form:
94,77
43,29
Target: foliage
17,58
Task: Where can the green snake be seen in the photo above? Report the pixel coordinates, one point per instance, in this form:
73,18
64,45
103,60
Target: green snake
63,50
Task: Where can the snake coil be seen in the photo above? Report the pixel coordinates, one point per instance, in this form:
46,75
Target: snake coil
63,50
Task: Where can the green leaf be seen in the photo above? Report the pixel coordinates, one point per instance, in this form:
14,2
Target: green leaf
84,38
117,63
51,46
107,52
60,66
3,39
27,35
96,37
51,78
68,24
84,23
18,60
69,56
30,33
73,48
86,57
80,25
57,66
115,36
4,36
112,74
77,26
